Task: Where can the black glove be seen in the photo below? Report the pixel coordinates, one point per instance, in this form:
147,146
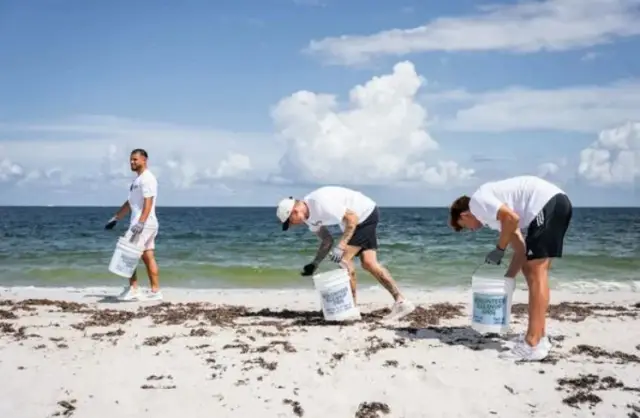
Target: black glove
112,222
308,270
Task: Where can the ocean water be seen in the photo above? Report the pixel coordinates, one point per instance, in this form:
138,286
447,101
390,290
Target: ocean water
245,248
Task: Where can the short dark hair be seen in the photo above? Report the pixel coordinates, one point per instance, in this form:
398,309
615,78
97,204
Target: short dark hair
141,152
459,206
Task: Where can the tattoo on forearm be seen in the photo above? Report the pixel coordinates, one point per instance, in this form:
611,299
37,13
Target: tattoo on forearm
326,241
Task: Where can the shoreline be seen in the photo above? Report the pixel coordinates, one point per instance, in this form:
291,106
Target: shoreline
207,352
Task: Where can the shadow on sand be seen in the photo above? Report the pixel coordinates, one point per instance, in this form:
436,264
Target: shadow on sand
107,298
457,335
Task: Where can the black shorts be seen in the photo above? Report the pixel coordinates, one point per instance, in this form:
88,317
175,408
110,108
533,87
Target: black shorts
366,235
545,235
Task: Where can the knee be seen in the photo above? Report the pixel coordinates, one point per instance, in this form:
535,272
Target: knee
370,266
536,271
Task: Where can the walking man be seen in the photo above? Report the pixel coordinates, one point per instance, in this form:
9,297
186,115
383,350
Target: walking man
143,226
544,210
358,217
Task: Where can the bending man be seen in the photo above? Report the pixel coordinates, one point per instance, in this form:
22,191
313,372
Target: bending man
143,223
545,211
358,217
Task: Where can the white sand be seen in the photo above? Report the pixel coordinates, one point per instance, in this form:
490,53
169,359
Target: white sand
104,374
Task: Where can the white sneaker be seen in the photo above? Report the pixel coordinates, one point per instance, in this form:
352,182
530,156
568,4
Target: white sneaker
544,341
129,293
400,309
524,352
154,295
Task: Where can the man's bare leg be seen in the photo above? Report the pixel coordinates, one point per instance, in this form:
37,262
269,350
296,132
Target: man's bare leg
347,262
133,280
539,295
152,269
369,262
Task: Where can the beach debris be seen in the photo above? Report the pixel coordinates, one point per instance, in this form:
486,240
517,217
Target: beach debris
244,347
199,332
433,314
579,311
105,318
68,408
598,352
100,335
376,344
147,387
372,410
335,359
582,387
297,408
259,361
159,377
158,340
7,314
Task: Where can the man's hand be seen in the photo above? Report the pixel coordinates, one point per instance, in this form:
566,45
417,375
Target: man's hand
336,254
112,222
495,256
309,269
137,228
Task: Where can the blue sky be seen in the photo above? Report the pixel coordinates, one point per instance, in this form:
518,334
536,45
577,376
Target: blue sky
244,102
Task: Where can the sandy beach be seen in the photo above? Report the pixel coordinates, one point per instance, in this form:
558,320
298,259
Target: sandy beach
204,353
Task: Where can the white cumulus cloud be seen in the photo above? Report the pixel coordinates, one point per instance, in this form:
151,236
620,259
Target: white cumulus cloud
583,108
614,157
523,27
380,137
233,166
10,171
94,149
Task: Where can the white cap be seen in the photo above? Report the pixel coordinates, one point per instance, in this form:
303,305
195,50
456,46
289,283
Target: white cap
284,211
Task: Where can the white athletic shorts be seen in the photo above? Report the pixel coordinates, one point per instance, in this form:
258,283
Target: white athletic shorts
146,239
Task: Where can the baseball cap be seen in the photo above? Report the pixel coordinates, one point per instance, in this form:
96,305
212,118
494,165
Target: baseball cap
284,211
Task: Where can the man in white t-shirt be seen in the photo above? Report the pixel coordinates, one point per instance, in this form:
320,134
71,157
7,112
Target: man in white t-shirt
143,227
545,211
358,217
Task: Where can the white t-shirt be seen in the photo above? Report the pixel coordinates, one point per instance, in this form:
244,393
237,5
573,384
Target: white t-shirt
145,185
525,195
328,205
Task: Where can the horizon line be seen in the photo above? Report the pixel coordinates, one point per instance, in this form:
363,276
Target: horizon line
271,206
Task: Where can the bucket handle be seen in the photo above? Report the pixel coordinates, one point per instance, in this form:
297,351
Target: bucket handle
132,238
483,263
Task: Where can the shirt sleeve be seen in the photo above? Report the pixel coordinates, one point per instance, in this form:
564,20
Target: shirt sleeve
149,187
484,205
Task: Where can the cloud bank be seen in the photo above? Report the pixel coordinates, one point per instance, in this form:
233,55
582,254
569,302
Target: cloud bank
524,27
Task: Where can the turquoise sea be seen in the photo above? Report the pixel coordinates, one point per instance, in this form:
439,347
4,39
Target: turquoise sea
245,248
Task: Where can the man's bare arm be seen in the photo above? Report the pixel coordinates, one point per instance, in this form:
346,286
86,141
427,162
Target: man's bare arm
326,241
350,220
146,209
519,257
123,210
508,225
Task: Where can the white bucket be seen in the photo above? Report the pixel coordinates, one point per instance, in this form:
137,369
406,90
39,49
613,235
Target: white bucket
491,308
125,258
335,295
